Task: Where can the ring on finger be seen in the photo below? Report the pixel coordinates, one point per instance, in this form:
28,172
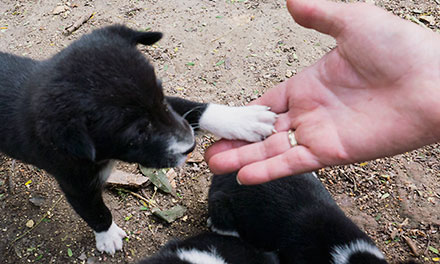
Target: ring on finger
292,138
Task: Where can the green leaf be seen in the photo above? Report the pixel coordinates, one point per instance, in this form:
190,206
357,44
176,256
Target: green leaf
378,216
190,63
220,63
170,215
295,57
158,178
69,252
39,257
165,67
143,208
128,217
434,250
385,195
218,17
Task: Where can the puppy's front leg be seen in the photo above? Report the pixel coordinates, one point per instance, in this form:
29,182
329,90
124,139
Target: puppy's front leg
83,190
249,123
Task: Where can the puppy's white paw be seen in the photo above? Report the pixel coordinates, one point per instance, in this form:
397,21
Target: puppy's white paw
111,240
251,123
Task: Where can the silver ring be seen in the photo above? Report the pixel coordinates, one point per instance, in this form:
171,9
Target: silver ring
292,138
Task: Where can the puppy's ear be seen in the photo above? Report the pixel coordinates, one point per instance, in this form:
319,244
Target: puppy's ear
147,38
71,138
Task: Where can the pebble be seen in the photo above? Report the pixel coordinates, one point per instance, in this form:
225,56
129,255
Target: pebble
30,223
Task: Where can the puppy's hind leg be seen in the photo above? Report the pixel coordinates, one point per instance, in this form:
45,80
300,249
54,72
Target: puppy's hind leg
85,196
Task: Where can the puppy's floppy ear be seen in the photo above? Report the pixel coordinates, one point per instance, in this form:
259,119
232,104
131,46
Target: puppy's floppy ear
147,38
71,138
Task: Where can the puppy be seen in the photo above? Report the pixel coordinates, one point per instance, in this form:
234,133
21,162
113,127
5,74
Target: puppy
98,101
295,216
210,248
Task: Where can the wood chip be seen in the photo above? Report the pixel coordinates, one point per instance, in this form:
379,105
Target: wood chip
122,178
172,174
195,157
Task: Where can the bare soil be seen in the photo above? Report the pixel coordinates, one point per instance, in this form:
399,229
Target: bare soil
228,52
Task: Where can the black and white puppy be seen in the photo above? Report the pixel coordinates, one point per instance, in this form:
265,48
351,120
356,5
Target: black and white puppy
295,216
97,101
210,248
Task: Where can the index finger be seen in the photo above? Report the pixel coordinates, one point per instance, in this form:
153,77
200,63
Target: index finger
275,98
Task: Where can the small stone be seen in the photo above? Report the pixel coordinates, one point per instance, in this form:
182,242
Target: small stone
37,200
427,19
59,9
82,256
92,260
289,74
30,223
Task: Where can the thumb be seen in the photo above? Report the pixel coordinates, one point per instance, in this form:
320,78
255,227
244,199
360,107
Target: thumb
321,15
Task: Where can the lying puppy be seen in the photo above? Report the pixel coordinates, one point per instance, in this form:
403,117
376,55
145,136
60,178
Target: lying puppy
294,215
97,101
209,248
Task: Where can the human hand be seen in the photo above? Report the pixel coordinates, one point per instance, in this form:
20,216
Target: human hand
374,95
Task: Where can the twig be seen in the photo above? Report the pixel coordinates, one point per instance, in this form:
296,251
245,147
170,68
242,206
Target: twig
39,221
411,245
427,246
11,178
149,201
68,30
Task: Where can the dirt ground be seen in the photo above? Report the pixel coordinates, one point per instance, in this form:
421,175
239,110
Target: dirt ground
230,52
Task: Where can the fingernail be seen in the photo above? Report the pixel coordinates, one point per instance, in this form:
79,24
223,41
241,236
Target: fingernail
274,131
238,181
268,108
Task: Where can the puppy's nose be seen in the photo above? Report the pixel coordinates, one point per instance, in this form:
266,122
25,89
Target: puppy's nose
190,149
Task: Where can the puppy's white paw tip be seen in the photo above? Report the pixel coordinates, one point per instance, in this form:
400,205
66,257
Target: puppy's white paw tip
111,240
251,123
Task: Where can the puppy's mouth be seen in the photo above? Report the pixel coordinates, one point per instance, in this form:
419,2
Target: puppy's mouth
181,149
190,149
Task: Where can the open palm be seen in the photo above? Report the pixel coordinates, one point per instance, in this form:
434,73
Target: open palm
374,95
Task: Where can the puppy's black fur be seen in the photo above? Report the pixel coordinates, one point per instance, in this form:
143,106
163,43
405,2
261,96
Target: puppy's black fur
294,215
96,100
229,249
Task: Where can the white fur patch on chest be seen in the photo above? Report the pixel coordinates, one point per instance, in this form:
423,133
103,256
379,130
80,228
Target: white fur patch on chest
250,123
341,254
195,256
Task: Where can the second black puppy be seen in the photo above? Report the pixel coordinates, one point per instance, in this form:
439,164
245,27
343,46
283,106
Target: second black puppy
294,215
210,248
97,101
